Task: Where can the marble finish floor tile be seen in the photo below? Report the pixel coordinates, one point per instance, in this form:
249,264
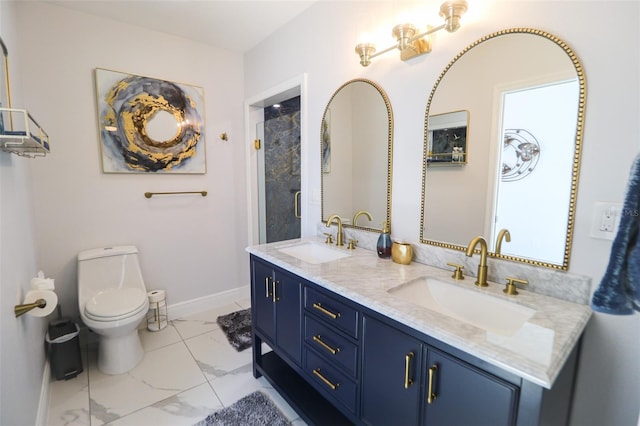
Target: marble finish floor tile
162,373
185,408
152,340
215,356
69,400
188,372
194,325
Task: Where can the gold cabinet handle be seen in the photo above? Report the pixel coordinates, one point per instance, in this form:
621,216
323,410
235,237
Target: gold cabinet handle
273,293
325,311
326,381
266,287
319,341
431,395
407,362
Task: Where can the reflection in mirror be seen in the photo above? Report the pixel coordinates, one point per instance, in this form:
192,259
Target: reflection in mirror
356,138
447,138
524,90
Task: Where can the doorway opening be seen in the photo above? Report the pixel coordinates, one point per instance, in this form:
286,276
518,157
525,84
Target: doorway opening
276,155
279,179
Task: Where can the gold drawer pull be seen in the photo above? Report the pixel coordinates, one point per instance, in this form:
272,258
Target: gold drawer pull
325,311
431,396
318,340
273,293
316,371
407,361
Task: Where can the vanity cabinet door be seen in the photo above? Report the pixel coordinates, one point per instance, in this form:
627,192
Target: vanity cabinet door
458,394
287,295
276,300
262,300
391,365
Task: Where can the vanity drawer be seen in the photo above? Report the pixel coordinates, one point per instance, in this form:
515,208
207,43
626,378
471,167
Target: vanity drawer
337,349
334,312
331,382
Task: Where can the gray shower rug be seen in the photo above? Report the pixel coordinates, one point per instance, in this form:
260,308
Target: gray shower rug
237,327
255,409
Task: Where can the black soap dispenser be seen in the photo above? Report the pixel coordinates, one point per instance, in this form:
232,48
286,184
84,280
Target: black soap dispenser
384,242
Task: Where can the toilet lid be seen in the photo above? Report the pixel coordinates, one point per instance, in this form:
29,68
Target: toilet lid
114,302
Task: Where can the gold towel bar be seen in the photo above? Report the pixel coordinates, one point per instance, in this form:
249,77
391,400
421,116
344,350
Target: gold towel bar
151,194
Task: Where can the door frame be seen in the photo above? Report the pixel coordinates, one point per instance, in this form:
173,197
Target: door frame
253,114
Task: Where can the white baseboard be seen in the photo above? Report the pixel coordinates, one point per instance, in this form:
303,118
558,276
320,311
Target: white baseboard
205,303
43,404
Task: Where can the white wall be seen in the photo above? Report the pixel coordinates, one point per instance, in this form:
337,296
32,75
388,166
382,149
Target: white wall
189,245
22,356
605,36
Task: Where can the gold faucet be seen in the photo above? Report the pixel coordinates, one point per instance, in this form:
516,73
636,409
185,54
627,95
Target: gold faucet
482,266
504,233
360,213
339,236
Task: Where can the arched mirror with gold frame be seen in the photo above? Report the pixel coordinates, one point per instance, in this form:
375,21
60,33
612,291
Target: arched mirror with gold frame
524,91
356,154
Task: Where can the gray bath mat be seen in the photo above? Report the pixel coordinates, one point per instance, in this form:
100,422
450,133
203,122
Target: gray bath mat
253,410
237,327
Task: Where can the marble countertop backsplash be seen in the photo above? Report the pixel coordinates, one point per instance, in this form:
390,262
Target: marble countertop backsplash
536,352
550,282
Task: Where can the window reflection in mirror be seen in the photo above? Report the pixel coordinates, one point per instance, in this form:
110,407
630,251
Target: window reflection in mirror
524,90
356,147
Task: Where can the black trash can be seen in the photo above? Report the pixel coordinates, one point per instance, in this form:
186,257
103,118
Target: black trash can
64,349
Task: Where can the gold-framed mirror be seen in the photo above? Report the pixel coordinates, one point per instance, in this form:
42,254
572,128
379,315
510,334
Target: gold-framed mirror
356,139
525,91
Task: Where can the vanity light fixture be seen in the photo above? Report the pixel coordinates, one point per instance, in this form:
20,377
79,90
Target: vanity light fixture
411,44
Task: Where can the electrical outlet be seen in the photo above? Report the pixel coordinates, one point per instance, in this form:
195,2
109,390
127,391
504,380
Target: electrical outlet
606,219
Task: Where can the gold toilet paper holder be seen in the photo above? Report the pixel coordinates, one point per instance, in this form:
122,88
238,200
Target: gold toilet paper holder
20,310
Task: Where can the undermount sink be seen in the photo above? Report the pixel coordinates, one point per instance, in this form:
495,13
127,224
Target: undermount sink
313,253
483,311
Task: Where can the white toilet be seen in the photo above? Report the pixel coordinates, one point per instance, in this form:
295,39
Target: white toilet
113,302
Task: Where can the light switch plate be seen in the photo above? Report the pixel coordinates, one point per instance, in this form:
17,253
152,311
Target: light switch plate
606,219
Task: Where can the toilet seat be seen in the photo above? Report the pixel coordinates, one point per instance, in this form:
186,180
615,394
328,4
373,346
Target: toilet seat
114,304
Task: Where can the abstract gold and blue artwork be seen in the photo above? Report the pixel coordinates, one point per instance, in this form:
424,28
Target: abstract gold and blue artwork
149,125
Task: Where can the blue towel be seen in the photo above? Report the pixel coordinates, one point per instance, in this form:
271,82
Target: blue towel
619,290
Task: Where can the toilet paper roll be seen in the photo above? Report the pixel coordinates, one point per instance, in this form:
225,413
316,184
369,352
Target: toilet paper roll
42,283
49,297
156,296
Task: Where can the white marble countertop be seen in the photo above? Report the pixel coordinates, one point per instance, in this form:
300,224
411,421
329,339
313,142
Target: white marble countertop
536,353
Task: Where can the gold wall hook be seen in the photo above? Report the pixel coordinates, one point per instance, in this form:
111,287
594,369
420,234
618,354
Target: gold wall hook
224,136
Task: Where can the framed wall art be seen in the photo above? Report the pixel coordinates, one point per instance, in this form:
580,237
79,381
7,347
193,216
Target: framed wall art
148,125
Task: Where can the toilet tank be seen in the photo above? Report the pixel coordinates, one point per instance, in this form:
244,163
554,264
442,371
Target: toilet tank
108,267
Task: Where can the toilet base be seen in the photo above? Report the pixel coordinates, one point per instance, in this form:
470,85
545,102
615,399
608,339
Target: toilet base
119,354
